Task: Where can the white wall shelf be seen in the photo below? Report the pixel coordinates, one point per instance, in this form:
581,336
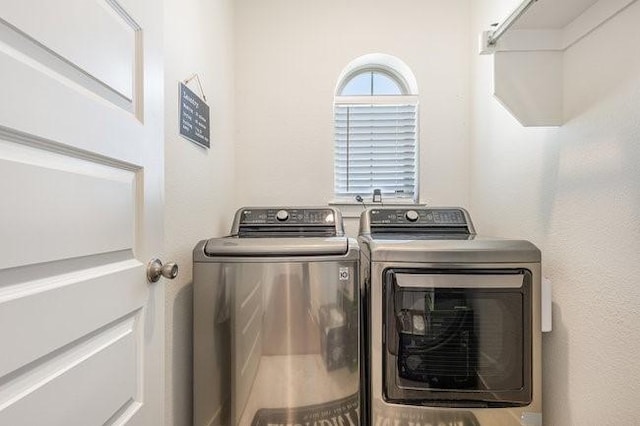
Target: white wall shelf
528,48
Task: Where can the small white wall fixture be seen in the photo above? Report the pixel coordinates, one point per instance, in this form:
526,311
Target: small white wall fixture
528,49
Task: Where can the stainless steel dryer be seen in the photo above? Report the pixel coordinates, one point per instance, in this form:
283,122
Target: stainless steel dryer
276,321
452,322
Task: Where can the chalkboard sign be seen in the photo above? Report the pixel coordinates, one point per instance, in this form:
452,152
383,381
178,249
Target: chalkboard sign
194,117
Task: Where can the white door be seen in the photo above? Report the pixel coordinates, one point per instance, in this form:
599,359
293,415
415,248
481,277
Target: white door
81,150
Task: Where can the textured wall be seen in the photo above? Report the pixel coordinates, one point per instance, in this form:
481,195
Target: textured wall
573,190
199,186
289,55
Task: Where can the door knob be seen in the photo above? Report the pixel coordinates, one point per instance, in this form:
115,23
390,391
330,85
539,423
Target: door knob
155,269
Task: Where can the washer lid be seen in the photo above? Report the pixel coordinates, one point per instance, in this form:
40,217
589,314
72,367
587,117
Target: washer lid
271,247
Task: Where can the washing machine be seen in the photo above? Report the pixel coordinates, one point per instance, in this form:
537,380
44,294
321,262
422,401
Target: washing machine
452,322
277,320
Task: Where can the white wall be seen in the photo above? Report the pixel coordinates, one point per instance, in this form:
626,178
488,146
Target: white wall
199,187
573,190
289,55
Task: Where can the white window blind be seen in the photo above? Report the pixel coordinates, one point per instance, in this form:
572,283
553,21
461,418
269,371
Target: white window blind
375,148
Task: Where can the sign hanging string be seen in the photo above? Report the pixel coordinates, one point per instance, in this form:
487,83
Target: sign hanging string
197,77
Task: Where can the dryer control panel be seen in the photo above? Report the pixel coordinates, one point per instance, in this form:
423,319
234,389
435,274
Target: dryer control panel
417,220
418,216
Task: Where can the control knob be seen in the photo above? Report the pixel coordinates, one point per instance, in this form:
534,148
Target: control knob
412,215
282,215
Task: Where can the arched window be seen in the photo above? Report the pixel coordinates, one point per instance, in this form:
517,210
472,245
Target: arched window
376,131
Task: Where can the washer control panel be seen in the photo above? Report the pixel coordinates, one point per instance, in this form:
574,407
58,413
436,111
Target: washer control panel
284,216
419,217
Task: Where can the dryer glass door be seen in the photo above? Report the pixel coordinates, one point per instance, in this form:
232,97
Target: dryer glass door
458,338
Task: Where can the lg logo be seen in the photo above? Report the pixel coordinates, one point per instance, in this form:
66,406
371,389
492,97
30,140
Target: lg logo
343,274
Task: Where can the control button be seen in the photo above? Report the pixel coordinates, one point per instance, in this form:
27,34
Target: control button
412,215
282,215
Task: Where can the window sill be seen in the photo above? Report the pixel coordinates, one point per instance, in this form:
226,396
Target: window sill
389,203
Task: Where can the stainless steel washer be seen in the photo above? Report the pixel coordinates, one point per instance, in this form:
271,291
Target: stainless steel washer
452,322
276,321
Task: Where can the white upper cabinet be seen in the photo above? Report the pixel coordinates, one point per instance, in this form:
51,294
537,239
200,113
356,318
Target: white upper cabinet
528,48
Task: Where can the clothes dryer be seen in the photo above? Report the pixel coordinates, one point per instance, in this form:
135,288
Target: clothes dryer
452,322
